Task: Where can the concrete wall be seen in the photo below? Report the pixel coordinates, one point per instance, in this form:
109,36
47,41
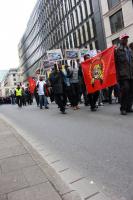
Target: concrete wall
127,9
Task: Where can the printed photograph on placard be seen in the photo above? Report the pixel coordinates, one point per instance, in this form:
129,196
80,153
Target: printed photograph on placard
47,63
84,52
71,54
54,55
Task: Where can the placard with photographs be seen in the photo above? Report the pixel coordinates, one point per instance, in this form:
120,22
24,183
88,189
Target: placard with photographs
72,54
54,55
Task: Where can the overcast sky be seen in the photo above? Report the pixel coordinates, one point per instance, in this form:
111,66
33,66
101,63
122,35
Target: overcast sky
14,15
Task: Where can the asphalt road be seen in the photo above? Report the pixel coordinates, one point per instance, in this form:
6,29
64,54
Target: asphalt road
98,145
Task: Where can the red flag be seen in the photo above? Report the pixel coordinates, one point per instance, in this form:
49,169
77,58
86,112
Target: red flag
32,85
100,72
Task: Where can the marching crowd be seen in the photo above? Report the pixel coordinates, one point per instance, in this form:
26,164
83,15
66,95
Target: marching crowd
67,87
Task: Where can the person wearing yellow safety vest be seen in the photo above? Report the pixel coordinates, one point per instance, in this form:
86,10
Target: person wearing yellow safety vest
18,93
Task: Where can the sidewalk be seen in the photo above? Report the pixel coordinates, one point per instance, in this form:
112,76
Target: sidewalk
28,174
21,178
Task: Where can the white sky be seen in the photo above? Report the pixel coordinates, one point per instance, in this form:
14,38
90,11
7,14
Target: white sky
14,15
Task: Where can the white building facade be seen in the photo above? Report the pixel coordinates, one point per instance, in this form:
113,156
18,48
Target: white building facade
9,83
118,19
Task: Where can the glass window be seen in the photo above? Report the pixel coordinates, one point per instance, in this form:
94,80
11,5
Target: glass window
73,3
79,14
116,21
81,35
112,3
67,5
86,32
77,37
83,9
91,28
75,18
88,7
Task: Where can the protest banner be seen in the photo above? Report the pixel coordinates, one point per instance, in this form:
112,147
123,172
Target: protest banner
100,72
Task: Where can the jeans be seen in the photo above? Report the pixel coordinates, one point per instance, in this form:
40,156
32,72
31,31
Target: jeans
43,101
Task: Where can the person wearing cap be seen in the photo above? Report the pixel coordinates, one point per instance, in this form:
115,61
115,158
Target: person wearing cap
124,69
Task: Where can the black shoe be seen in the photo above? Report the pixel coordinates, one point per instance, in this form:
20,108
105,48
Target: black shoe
63,112
123,112
93,109
46,107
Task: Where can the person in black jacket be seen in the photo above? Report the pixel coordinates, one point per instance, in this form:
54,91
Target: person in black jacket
93,98
57,83
124,69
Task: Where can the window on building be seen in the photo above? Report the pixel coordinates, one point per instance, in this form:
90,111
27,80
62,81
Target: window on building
14,79
75,18
79,14
86,32
83,9
14,74
73,3
112,3
116,21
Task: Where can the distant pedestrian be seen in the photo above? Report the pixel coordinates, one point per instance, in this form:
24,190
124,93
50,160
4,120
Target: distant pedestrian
74,81
18,93
41,92
23,97
82,85
57,82
13,97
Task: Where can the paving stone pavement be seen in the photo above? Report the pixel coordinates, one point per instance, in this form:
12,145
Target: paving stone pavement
20,175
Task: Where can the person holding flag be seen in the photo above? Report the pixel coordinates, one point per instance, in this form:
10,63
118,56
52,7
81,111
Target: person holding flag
93,98
99,73
124,68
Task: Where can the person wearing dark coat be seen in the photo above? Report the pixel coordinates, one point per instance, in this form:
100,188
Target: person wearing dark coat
57,83
82,85
124,69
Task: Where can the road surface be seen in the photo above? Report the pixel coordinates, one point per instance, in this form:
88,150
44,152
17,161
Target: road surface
97,145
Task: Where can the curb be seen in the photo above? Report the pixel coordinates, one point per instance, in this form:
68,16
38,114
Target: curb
68,184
